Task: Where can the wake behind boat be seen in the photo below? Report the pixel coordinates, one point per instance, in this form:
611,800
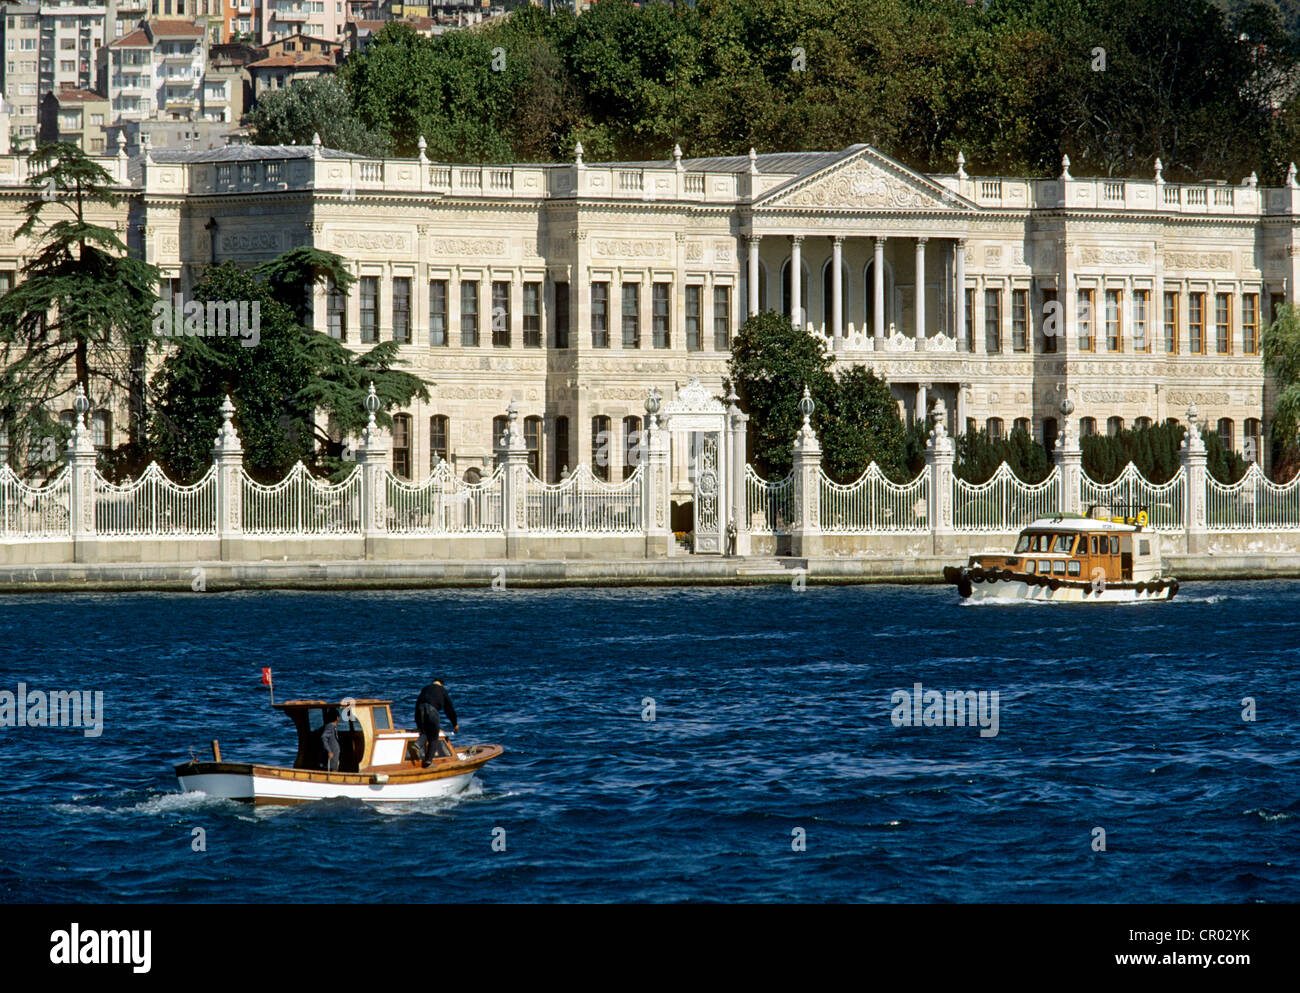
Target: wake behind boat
1095,558
377,762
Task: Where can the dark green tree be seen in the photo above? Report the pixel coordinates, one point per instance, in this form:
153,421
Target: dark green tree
80,314
298,393
860,426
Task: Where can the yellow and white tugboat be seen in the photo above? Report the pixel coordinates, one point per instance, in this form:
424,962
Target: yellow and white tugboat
1095,558
376,761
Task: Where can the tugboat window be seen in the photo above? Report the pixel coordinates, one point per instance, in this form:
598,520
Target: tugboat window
1029,566
1023,544
1114,546
1144,548
1058,567
1094,544
1074,568
1044,565
1063,543
381,718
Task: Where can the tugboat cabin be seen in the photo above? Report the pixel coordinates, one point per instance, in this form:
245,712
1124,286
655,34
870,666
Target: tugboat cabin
1088,548
367,738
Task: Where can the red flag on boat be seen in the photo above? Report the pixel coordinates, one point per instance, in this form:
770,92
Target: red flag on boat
266,676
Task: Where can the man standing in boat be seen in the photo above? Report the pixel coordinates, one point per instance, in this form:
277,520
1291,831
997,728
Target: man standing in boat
433,698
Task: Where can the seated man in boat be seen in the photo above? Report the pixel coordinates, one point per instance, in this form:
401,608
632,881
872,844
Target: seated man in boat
329,741
433,698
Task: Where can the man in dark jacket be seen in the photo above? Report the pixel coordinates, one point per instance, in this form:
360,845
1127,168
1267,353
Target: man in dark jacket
433,698
329,741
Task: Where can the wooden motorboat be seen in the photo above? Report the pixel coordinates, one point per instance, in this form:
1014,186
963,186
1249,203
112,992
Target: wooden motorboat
377,761
1093,558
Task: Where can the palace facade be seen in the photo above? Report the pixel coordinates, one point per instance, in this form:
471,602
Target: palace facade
574,288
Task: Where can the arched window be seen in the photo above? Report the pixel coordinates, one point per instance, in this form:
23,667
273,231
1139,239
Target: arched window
994,426
101,430
828,296
1114,425
560,457
500,425
805,284
600,441
472,475
1142,422
632,445
1051,430
438,427
1023,424
869,295
402,445
1252,439
1087,427
1226,433
533,439
972,426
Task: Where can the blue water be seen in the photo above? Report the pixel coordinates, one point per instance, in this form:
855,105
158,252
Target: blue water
772,714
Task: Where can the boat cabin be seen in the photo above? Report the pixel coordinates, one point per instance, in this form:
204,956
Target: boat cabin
1086,548
367,738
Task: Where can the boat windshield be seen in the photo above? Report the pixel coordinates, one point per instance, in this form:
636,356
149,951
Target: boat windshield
1024,543
1063,543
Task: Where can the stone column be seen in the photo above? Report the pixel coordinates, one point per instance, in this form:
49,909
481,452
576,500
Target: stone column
372,456
736,422
753,275
657,493
806,536
961,408
1068,456
921,397
796,281
514,481
920,294
228,454
837,292
878,278
81,466
939,458
1193,458
959,302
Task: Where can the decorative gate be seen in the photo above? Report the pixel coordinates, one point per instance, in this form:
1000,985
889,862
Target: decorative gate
703,419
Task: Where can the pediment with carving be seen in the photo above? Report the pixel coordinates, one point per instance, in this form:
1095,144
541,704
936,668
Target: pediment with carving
866,181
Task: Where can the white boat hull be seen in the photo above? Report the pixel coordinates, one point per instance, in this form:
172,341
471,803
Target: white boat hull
1012,590
268,789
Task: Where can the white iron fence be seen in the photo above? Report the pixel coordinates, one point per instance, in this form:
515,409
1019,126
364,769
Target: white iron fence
1003,502
154,505
1253,503
872,503
770,504
1130,492
302,504
584,504
34,511
445,504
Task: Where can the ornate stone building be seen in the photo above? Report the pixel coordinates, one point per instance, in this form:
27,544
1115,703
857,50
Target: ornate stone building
574,288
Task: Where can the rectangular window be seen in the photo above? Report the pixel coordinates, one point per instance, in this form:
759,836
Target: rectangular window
970,321
993,320
659,315
1250,323
1196,322
501,314
560,457
561,316
1141,305
631,315
369,309
1171,322
1052,326
532,315
693,319
1222,324
1275,303
600,315
469,313
1114,341
336,312
1084,318
1020,320
402,310
721,318
438,312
